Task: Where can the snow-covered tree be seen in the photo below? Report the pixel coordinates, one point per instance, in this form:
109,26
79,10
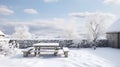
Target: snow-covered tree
22,32
96,24
71,33
6,48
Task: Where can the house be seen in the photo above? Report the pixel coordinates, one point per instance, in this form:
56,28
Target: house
3,39
2,35
113,35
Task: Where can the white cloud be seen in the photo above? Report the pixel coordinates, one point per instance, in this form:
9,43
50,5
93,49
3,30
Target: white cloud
55,26
112,1
49,1
4,10
31,11
87,14
110,18
84,14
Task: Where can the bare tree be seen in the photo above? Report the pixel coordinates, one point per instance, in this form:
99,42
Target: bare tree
95,27
96,24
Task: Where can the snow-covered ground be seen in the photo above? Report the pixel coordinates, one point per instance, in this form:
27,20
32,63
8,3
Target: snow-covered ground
85,57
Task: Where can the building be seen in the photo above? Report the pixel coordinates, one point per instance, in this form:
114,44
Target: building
3,40
113,35
2,35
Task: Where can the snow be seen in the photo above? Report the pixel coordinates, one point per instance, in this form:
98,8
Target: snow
1,33
46,44
115,27
84,57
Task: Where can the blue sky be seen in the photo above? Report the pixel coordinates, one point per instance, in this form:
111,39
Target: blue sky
33,11
61,8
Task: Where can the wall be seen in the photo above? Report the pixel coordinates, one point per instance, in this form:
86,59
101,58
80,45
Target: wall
114,39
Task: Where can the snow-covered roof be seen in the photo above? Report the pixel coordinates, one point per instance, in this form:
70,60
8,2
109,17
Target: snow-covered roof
115,27
1,33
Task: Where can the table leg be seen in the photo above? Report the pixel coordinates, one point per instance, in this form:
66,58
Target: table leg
39,50
56,51
35,51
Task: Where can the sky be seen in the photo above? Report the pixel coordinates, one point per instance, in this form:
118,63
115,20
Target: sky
51,16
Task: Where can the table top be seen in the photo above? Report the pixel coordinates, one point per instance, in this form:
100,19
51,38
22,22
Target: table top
46,45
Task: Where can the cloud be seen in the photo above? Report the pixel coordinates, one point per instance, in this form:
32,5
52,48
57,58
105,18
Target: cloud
37,24
4,10
112,1
48,27
55,26
79,14
30,11
87,14
49,1
96,16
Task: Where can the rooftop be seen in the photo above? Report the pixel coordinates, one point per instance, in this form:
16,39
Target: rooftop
115,27
1,33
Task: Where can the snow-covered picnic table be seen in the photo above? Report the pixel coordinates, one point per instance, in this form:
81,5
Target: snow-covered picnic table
51,47
45,47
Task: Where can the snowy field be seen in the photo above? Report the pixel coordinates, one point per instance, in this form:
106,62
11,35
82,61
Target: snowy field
85,57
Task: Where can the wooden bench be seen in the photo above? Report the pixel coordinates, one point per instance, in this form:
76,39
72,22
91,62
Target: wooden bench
65,50
27,51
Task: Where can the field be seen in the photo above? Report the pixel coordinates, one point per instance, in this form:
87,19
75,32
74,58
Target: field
84,57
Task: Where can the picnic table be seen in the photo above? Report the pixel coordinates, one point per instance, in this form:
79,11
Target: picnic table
54,47
45,47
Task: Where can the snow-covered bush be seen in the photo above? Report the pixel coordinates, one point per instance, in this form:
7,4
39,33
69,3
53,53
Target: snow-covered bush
8,49
22,32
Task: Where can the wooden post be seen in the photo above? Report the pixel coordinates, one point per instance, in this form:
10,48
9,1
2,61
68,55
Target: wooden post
56,51
66,53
